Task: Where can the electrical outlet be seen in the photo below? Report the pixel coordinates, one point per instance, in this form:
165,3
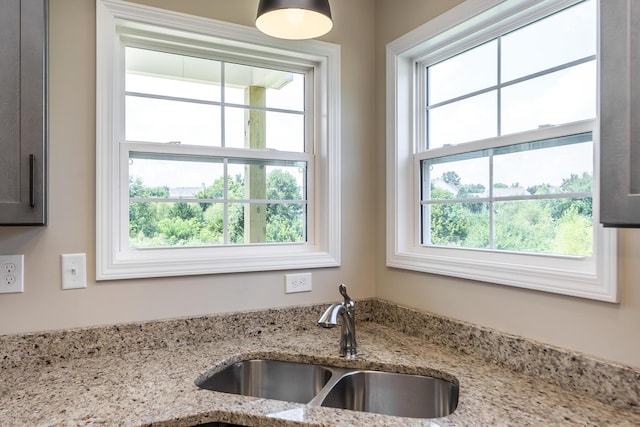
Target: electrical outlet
11,274
74,271
300,282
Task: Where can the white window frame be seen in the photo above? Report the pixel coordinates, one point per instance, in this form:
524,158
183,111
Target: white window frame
114,258
461,28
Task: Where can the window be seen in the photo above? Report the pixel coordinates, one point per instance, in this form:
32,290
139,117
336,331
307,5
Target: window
493,148
209,196
217,147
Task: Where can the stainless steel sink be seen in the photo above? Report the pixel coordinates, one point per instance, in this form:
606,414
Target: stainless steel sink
386,393
270,379
393,394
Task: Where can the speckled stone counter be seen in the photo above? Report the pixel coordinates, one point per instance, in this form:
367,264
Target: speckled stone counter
143,374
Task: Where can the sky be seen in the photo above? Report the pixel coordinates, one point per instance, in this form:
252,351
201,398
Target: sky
564,96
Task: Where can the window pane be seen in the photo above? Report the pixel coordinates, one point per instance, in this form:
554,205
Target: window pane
286,182
465,73
264,87
267,223
235,126
289,96
556,226
286,222
235,181
275,180
457,224
556,40
166,74
561,97
285,132
159,120
164,224
163,178
545,168
559,165
463,121
236,224
265,130
457,177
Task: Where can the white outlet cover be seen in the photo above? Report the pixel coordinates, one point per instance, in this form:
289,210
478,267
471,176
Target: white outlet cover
300,282
11,274
74,271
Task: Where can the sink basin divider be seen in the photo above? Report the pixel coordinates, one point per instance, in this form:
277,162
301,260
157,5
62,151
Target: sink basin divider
336,376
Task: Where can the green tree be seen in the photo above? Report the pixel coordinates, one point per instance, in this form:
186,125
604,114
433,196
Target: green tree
143,216
470,191
285,221
575,184
451,177
213,213
523,226
162,223
539,189
574,234
449,221
185,211
178,231
215,191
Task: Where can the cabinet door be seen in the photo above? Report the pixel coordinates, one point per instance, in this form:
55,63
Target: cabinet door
23,41
620,113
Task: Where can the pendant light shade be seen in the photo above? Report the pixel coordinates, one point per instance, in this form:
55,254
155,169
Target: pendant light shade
294,19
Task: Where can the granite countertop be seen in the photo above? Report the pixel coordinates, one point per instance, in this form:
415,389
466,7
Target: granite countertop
129,376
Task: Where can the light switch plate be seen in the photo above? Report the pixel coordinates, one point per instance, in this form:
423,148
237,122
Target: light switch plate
74,271
11,274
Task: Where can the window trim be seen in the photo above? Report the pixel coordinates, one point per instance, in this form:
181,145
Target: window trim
461,28
113,260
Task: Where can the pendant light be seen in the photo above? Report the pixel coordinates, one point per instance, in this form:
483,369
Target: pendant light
294,19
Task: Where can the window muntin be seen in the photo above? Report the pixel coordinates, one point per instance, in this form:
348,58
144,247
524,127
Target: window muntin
512,212
497,89
561,38
181,100
154,72
284,90
451,78
313,65
479,114
199,201
170,121
565,96
455,32
283,131
528,197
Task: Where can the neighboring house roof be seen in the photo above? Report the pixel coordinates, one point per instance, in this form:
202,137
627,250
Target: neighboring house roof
497,192
184,192
441,184
510,191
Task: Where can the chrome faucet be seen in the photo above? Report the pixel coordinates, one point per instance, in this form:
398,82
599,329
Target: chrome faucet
346,310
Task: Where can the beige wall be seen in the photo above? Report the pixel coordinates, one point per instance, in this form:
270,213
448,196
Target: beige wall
610,331
71,229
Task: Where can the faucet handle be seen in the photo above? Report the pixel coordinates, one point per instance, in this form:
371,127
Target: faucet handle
348,302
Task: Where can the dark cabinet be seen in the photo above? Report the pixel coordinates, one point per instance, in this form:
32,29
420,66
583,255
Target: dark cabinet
620,113
23,112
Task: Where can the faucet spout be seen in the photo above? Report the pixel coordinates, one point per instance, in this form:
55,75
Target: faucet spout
346,311
330,317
